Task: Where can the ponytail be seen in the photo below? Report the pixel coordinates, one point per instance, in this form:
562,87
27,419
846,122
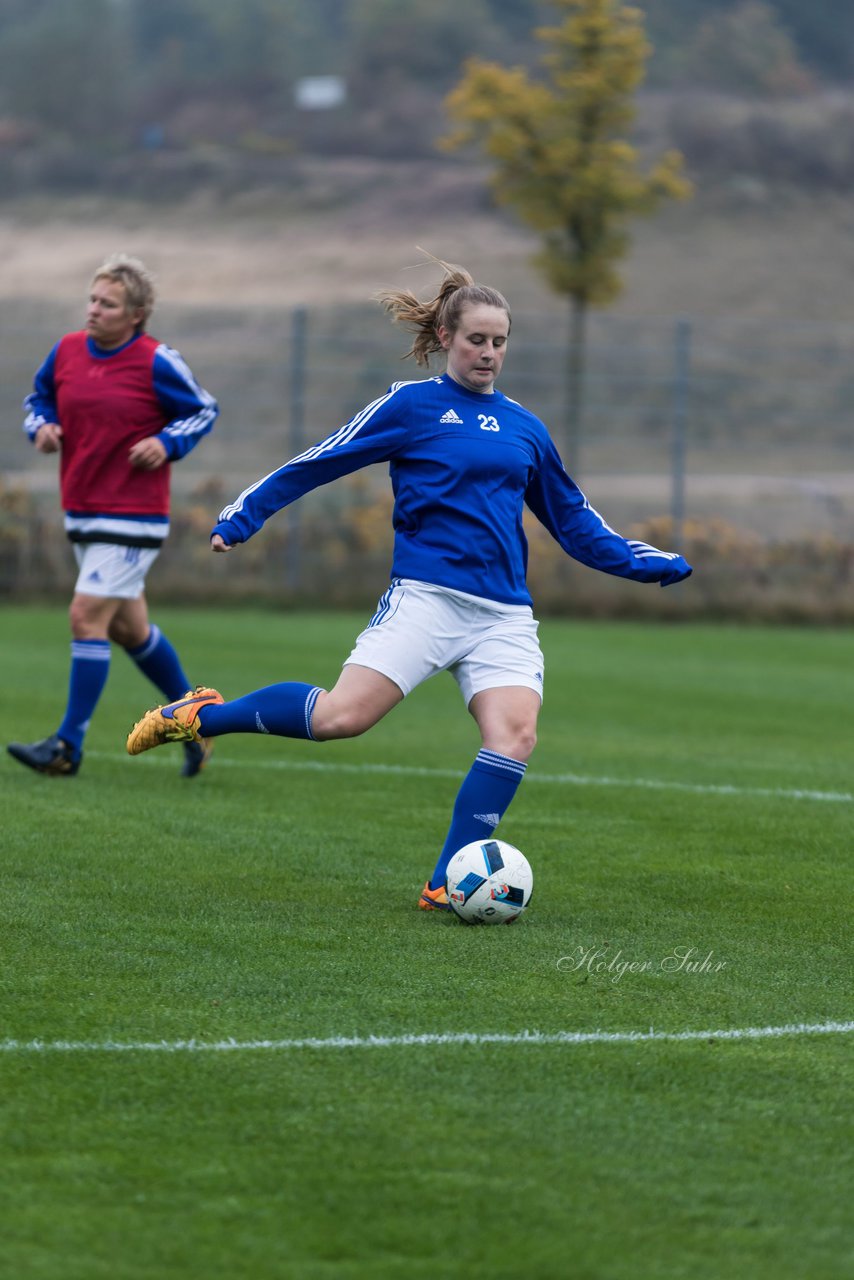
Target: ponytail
457,291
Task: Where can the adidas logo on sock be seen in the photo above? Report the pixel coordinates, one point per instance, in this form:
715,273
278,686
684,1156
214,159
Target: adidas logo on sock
451,416
492,819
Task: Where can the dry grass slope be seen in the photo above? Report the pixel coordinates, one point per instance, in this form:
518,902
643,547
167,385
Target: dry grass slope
737,248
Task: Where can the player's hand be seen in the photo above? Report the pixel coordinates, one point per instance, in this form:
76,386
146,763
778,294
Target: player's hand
148,454
48,438
218,543
679,570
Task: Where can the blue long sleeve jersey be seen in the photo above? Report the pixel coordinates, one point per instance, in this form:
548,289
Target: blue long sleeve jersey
186,411
463,465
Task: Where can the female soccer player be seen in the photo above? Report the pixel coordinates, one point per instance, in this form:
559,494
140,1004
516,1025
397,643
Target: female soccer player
464,460
119,407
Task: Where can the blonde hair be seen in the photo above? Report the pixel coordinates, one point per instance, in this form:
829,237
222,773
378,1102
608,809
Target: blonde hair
137,280
457,291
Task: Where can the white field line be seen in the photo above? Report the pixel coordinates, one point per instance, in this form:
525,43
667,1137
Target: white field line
550,779
428,1040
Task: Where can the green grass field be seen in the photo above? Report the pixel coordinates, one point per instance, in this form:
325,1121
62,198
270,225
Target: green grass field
231,1047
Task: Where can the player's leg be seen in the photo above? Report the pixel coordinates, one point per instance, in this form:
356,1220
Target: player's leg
90,618
61,753
507,719
108,604
385,663
130,626
359,699
147,646
110,577
501,679
156,657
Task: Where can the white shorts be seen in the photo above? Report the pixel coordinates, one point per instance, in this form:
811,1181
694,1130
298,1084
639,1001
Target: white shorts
115,572
419,630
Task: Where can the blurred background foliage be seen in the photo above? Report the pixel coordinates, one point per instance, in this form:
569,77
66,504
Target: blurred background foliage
86,85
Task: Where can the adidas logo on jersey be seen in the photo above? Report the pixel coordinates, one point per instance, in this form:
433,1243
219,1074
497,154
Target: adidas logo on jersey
451,416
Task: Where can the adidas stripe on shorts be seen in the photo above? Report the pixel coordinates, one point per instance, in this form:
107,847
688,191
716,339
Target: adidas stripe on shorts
106,569
420,629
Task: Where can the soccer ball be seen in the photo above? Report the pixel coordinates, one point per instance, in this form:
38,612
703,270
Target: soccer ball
489,882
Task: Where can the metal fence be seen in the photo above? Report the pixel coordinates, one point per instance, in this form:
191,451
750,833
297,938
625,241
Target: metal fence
746,424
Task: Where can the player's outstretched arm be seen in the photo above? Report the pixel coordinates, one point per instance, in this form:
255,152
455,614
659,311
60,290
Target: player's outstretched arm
563,509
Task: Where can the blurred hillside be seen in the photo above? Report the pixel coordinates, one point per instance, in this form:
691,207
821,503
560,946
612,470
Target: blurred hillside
173,129
342,229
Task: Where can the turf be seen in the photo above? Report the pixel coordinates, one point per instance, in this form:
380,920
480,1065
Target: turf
688,814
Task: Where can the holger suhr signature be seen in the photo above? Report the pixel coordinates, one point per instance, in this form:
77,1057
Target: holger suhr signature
591,960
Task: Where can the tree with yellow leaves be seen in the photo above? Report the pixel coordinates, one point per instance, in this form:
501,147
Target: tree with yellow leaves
561,160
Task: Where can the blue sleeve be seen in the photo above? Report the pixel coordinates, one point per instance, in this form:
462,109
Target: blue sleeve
40,404
562,508
192,410
373,435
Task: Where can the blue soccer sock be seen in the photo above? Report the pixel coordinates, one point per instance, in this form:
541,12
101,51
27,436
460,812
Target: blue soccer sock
157,659
482,800
90,666
281,709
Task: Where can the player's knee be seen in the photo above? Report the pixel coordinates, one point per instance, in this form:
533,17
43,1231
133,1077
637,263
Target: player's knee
526,740
515,741
330,721
82,620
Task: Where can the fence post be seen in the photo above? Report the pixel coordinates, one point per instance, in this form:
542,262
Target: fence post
679,420
296,422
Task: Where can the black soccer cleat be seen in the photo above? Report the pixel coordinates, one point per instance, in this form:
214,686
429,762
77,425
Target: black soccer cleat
51,755
196,756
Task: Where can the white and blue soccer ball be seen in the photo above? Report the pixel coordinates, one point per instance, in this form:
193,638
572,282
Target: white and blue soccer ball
489,882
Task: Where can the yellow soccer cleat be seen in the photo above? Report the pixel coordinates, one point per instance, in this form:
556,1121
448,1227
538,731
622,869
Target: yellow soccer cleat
176,722
433,899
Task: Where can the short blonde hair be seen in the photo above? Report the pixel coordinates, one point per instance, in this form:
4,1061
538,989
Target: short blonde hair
137,280
457,291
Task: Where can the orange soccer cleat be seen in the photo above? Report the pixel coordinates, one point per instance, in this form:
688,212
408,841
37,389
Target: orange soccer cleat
175,722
